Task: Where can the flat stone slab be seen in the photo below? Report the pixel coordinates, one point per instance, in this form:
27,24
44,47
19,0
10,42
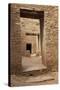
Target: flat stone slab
41,67
47,78
32,63
40,78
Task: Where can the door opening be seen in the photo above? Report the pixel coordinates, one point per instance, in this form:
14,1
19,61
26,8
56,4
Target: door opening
29,47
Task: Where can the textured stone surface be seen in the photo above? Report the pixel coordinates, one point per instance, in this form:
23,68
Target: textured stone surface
50,36
49,78
32,63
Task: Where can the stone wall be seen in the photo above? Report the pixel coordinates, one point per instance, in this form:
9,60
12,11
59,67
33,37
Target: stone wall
30,26
50,36
15,41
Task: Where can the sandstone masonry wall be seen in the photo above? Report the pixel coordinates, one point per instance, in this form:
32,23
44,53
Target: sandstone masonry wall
50,36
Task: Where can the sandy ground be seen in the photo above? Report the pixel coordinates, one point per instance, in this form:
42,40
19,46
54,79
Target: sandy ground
45,79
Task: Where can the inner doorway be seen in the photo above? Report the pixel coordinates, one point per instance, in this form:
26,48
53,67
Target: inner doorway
31,24
29,47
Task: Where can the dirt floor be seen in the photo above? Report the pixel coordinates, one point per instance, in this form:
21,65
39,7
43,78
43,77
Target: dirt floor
44,79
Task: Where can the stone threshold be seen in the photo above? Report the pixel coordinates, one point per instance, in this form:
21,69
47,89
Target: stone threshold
28,80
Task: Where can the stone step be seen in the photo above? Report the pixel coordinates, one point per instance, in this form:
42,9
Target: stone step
34,72
46,78
41,67
40,78
33,65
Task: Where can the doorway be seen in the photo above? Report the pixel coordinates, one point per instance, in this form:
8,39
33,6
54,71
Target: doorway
29,47
32,26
